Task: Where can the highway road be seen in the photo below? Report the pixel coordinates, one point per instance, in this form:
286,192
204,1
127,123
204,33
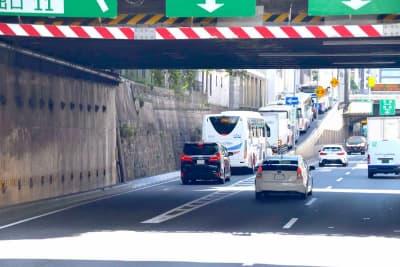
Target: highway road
349,220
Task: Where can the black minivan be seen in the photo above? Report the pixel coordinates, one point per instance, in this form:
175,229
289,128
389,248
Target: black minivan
205,161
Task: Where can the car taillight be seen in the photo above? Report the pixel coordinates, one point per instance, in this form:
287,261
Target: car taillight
186,158
340,153
217,157
299,174
259,173
369,159
323,153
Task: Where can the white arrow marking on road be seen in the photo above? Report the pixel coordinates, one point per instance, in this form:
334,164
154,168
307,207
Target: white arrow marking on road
103,5
355,4
210,5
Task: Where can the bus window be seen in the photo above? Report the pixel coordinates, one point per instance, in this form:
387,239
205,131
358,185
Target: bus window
225,124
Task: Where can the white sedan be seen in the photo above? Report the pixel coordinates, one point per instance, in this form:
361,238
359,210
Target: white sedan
332,154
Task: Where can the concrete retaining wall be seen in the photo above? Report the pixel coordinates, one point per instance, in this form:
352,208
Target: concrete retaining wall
154,124
57,130
331,130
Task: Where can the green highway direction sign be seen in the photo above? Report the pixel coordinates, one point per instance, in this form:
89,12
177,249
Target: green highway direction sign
210,8
60,8
352,7
387,107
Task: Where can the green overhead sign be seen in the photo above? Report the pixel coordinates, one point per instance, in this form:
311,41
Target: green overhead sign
352,7
210,8
60,8
387,107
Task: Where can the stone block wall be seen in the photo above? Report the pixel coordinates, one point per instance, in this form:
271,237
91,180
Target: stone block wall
157,122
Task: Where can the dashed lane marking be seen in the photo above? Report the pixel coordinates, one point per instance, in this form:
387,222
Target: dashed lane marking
290,223
340,179
200,202
311,201
329,187
347,173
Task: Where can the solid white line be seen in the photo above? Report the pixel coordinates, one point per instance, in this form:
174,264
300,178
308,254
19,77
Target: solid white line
311,201
290,223
340,179
77,205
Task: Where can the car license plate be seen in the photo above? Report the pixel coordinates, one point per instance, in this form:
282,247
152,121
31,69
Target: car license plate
279,177
200,161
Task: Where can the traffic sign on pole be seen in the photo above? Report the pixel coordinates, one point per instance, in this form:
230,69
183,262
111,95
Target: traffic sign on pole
292,100
387,107
60,8
320,91
210,8
352,7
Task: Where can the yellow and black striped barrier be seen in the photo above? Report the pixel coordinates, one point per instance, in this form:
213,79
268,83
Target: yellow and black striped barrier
162,20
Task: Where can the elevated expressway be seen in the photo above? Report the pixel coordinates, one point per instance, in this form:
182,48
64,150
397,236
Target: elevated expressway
280,36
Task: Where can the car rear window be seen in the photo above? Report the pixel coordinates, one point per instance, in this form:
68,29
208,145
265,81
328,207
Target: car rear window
332,149
200,149
282,165
355,140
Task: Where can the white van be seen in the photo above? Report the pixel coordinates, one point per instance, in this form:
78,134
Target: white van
383,157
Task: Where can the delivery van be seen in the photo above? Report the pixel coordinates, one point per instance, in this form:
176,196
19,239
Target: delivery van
383,157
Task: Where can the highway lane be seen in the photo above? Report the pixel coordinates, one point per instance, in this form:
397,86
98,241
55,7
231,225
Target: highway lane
349,221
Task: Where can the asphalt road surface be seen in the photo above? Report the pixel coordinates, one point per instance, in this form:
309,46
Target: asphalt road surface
349,220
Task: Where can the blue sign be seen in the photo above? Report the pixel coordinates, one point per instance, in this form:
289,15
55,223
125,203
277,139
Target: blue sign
313,95
292,100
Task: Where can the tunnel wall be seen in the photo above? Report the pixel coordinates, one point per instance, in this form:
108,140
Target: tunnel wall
57,129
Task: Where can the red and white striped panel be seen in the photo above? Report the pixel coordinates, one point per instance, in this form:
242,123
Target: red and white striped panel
185,33
268,32
87,32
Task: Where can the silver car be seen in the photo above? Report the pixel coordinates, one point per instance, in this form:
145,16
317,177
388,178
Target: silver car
284,174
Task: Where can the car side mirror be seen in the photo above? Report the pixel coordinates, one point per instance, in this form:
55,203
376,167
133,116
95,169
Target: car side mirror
311,168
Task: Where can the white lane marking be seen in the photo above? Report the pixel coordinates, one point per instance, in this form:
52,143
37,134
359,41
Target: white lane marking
80,204
200,202
396,231
290,223
311,201
347,173
329,187
340,179
324,170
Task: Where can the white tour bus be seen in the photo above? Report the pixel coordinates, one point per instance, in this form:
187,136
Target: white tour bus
242,132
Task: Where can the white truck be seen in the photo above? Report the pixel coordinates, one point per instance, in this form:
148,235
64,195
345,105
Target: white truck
383,135
281,135
380,128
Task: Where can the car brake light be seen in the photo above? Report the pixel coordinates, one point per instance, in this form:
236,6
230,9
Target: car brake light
259,173
299,174
323,153
186,158
340,153
217,157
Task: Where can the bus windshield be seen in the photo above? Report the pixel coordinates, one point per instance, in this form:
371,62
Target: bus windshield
224,125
